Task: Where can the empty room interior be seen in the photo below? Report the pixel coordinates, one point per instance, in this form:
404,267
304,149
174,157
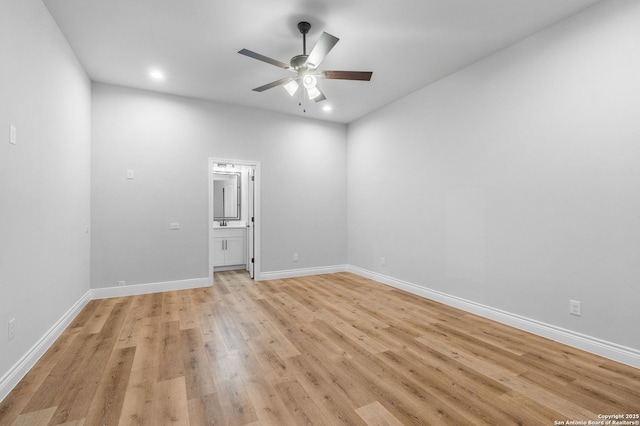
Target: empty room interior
319,212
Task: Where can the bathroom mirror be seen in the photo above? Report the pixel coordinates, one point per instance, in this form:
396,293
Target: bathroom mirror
226,196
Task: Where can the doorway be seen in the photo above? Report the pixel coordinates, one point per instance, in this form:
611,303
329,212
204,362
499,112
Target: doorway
234,226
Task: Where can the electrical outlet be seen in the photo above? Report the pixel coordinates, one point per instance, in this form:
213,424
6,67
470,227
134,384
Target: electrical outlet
295,257
12,328
575,308
383,261
122,283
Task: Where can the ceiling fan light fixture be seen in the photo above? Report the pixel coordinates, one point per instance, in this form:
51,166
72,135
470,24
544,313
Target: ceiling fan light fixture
291,87
313,92
309,82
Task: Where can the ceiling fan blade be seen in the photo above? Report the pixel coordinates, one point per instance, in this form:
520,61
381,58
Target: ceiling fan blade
321,50
263,58
273,84
348,75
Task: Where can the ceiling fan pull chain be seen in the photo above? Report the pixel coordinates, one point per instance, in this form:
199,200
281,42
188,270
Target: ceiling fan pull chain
301,101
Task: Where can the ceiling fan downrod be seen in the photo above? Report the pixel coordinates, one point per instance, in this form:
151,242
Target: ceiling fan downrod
304,28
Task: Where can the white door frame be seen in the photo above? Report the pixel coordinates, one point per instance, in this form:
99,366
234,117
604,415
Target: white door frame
256,208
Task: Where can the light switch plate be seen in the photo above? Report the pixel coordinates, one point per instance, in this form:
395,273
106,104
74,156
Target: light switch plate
12,328
129,174
12,134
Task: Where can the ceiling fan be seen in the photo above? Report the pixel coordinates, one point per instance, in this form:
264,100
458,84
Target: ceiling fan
306,67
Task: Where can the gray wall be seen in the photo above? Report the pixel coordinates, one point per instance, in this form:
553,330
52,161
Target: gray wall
167,140
521,179
44,178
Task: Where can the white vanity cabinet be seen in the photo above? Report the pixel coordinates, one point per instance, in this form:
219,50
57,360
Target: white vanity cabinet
229,246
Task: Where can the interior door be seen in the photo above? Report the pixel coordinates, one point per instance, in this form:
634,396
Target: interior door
252,223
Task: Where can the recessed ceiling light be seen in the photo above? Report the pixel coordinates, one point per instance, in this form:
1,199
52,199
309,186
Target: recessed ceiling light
156,75
327,108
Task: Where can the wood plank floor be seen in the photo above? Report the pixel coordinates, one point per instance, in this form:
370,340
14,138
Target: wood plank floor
323,350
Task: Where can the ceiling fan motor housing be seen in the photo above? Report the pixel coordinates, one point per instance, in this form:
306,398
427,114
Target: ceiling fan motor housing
299,62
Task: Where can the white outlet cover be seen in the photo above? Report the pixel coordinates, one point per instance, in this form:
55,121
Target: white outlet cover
129,174
12,134
575,308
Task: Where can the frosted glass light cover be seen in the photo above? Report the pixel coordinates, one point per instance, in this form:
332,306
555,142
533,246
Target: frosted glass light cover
291,87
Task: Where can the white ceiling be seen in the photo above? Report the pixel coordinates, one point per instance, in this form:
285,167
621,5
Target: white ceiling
408,44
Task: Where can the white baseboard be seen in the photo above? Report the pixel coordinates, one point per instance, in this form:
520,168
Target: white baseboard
28,360
22,367
586,343
293,273
132,290
600,347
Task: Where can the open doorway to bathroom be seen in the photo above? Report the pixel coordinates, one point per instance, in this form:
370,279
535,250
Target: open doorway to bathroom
234,216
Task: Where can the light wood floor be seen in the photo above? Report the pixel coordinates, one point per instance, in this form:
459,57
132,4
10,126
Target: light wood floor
323,350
